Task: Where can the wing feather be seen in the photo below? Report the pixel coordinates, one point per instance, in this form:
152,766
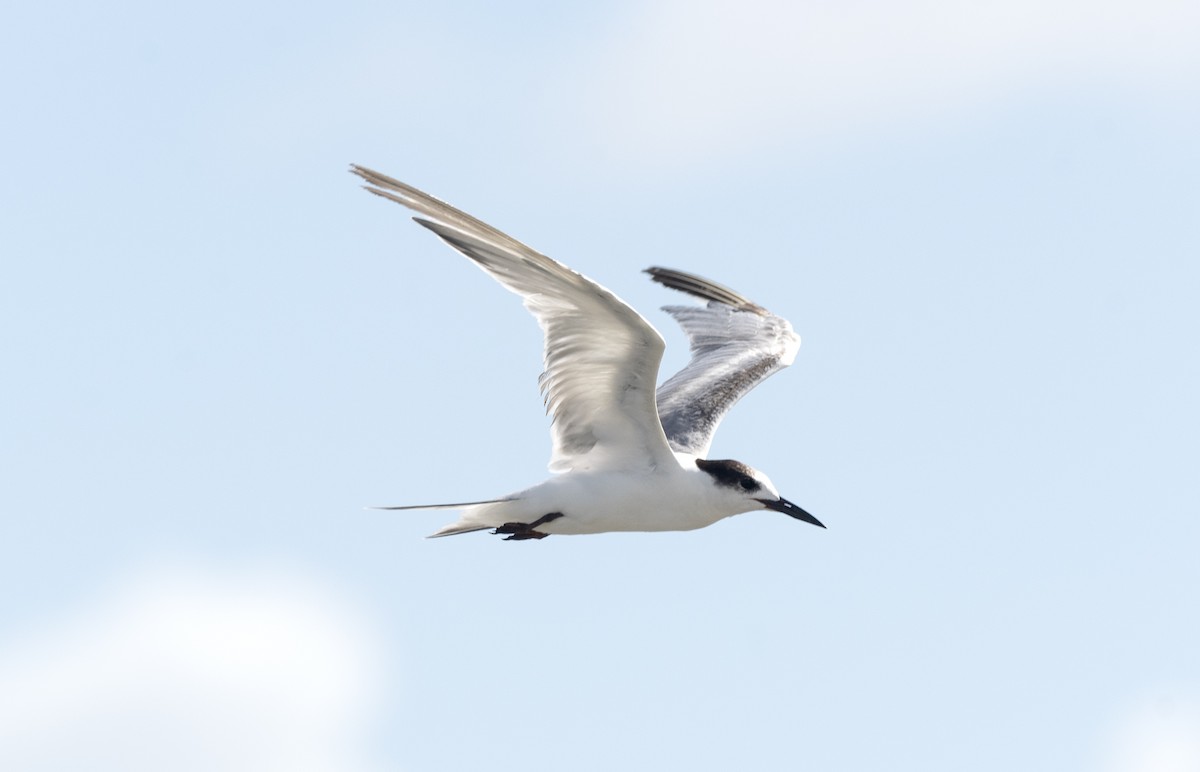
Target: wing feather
601,357
736,345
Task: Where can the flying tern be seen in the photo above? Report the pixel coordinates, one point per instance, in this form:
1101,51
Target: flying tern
629,457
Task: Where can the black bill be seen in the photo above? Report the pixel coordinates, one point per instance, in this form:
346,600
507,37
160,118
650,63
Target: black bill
788,508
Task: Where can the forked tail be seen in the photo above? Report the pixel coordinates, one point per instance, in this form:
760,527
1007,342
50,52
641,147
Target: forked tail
460,505
466,524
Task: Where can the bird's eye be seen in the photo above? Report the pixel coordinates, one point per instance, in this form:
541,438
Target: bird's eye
748,483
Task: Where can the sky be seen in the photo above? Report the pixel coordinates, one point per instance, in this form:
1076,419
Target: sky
983,220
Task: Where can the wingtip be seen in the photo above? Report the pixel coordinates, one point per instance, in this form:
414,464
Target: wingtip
703,288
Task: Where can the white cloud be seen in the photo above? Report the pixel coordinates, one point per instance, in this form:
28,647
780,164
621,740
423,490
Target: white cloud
684,80
1161,735
189,670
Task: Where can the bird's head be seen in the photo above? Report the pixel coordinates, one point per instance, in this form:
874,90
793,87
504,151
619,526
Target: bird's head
749,488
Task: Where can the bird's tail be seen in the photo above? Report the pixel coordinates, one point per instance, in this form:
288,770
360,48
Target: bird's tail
456,528
469,521
460,505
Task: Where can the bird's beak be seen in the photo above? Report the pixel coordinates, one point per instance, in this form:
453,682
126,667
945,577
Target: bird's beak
788,508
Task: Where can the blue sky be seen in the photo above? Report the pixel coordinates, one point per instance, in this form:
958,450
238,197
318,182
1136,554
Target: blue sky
982,219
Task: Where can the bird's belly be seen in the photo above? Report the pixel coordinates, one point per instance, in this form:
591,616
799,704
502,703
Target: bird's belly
600,503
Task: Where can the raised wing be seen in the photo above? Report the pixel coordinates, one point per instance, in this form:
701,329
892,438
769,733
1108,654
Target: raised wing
601,357
736,344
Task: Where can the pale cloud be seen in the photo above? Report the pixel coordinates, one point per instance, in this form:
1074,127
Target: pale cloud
1158,735
684,80
194,670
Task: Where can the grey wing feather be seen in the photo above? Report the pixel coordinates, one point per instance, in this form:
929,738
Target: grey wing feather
601,356
736,344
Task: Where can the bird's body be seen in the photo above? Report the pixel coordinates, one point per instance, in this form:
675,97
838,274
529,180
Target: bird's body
673,497
631,457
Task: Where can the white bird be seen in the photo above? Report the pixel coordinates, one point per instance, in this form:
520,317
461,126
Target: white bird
630,458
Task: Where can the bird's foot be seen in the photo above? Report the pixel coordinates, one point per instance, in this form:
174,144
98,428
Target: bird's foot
523,531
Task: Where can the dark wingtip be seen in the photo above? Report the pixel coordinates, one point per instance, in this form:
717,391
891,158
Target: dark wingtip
702,288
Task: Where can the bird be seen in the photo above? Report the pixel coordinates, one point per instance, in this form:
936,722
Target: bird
626,456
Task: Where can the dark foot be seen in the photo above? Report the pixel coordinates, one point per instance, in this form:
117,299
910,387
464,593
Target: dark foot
523,531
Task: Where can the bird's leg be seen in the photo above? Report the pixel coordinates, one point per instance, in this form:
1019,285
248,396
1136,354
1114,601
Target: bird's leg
523,531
